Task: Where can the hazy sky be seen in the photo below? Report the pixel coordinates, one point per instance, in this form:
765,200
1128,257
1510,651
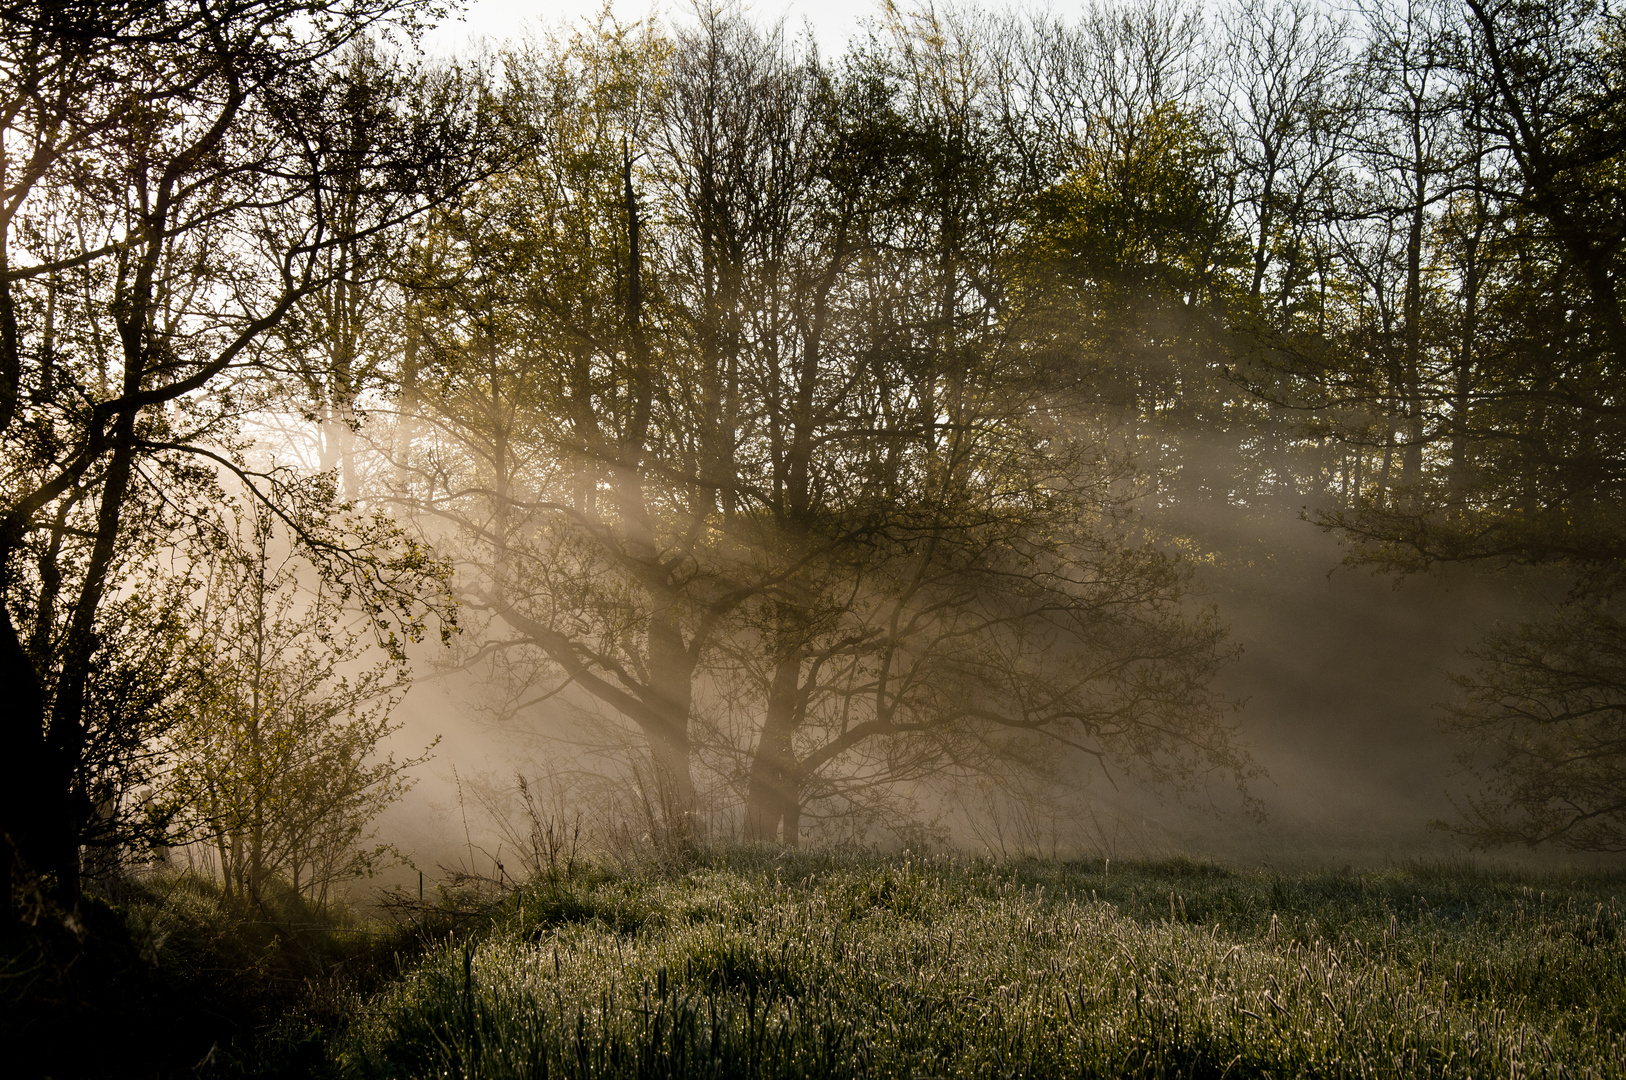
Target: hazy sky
832,20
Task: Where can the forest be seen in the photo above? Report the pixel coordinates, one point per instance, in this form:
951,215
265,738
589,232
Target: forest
792,444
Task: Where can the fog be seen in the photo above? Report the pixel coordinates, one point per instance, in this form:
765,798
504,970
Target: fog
1338,683
911,443
1340,676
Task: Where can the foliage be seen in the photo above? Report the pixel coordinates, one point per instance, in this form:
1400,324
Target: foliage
1470,348
833,425
277,763
1145,218
730,391
1545,711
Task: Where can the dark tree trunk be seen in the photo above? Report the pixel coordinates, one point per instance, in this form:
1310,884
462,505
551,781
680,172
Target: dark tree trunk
773,795
671,675
1411,466
65,739
23,792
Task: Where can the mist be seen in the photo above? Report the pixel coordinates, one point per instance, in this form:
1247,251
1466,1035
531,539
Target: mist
975,541
907,448
1340,677
1343,648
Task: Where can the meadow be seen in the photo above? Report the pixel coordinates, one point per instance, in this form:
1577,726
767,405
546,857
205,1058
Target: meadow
755,963
759,962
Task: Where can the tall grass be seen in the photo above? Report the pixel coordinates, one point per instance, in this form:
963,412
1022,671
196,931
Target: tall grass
834,966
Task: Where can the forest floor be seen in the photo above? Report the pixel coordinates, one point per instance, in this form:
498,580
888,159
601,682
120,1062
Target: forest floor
765,963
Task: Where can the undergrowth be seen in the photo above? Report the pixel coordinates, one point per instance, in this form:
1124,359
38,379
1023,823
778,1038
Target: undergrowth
176,980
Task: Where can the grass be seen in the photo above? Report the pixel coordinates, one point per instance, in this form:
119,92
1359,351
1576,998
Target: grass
765,964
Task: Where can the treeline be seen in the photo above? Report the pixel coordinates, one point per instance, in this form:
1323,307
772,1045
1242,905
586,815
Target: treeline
831,422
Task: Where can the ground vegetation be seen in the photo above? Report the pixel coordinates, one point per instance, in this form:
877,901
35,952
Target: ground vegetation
827,964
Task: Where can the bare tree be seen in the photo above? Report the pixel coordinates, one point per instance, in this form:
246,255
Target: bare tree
1289,115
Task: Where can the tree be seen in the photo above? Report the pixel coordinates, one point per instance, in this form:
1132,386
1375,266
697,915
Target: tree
137,693
965,535
730,389
1545,709
570,467
276,763
1478,360
166,199
1288,119
331,337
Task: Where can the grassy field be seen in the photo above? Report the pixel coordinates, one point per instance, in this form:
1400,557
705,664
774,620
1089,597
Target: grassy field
764,964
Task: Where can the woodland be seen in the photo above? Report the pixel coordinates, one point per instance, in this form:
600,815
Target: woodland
823,424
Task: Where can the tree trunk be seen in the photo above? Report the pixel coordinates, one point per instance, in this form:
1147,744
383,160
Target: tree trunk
406,427
1462,380
69,805
671,673
772,796
1411,461
23,793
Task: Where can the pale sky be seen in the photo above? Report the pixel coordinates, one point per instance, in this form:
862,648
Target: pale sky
832,20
